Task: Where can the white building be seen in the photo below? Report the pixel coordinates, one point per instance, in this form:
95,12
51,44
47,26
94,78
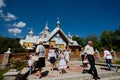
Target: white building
57,38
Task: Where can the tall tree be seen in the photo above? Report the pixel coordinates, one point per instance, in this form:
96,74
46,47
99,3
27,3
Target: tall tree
95,39
12,43
116,41
78,39
107,38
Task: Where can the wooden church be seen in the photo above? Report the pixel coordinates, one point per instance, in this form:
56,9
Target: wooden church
57,38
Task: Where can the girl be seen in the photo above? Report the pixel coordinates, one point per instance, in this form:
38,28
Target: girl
66,54
62,63
52,57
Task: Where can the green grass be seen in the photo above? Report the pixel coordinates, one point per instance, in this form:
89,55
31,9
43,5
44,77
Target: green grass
3,71
19,66
118,62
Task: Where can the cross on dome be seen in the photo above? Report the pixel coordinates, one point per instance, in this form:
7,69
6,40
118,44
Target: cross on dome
46,26
31,32
58,22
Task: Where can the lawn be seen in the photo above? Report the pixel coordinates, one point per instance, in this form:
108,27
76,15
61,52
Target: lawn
19,66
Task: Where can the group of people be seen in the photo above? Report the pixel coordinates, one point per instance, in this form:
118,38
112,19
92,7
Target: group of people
53,56
63,56
87,56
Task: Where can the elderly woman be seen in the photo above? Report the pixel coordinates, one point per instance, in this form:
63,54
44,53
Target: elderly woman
40,51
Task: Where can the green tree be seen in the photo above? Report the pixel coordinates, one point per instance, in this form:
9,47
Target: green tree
95,39
107,38
12,43
78,39
116,41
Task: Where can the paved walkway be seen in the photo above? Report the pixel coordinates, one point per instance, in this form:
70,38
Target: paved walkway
71,74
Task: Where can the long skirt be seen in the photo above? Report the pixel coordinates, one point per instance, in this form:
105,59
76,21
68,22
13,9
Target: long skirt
67,58
62,64
40,63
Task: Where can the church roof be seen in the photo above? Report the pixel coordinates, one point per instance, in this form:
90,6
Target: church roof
45,32
60,32
29,39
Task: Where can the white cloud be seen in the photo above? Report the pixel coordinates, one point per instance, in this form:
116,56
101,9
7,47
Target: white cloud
2,4
9,17
20,24
14,31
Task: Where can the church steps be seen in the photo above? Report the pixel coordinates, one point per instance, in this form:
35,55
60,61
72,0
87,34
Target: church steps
111,78
104,75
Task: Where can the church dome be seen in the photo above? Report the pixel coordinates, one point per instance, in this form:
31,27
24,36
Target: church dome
31,32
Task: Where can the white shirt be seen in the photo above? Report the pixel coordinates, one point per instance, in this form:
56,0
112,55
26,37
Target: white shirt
82,52
107,54
30,62
51,53
89,50
66,54
41,50
61,56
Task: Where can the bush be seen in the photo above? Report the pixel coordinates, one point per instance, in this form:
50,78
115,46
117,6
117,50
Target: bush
19,65
118,62
12,43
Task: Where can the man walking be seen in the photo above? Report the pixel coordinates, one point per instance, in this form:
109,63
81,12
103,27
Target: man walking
90,52
108,57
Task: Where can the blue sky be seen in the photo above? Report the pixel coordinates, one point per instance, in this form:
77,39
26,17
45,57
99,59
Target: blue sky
79,17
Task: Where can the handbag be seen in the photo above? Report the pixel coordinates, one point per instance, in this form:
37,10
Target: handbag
35,58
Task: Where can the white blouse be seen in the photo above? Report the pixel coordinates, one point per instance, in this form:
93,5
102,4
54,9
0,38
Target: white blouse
51,53
82,52
66,54
41,50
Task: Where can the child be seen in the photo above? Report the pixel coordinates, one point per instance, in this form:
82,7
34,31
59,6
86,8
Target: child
62,63
67,54
30,64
